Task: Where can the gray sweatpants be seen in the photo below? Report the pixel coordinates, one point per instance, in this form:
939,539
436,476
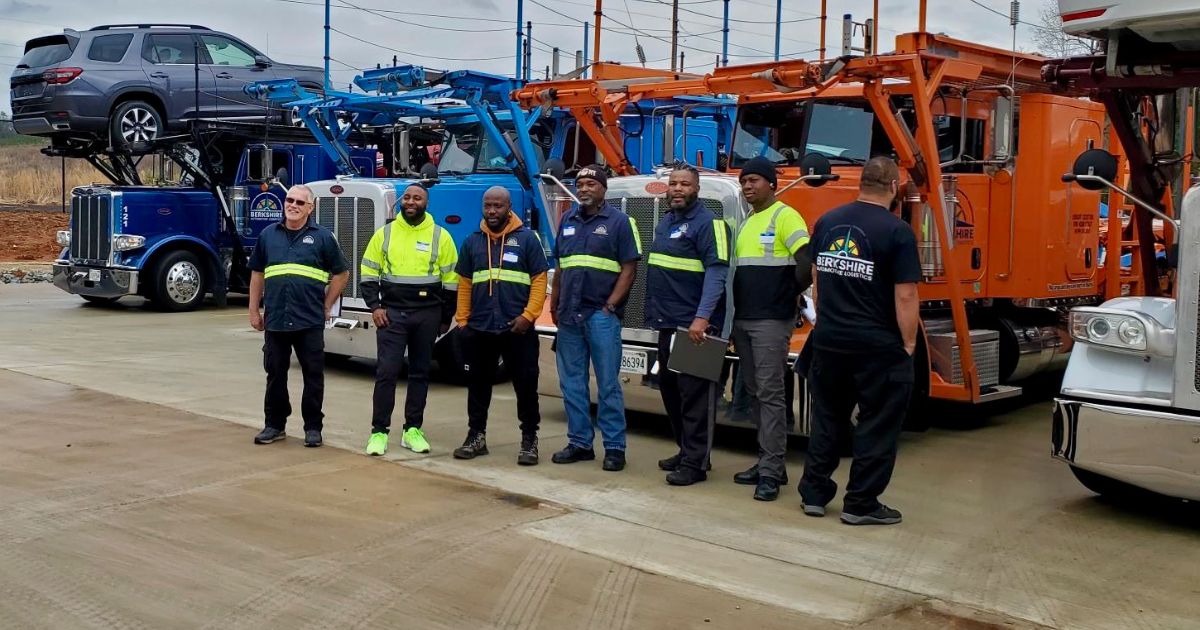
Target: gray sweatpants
762,346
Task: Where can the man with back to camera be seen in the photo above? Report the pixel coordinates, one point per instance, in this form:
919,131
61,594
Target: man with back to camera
501,288
298,271
773,269
598,250
864,339
687,267
408,282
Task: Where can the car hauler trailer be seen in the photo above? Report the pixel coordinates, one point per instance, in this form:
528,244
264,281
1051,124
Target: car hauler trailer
174,242
1006,247
1127,419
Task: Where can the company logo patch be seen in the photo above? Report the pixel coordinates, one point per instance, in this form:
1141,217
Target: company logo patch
512,242
307,240
601,231
586,172
843,257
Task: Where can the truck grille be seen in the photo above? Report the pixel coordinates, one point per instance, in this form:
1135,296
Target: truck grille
985,349
647,211
91,228
352,221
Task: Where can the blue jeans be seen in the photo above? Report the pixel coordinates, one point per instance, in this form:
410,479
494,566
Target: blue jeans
597,339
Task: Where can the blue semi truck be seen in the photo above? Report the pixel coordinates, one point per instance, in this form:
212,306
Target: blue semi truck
174,243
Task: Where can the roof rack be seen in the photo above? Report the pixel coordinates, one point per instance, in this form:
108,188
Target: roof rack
106,27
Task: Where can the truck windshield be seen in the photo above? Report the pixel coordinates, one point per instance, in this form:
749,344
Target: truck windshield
469,149
786,132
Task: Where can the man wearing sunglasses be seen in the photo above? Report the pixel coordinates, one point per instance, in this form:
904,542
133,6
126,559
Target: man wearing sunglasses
298,272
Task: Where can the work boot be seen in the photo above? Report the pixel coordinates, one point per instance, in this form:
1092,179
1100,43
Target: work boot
614,460
572,454
671,463
749,477
883,515
767,489
528,455
268,435
474,446
312,438
686,476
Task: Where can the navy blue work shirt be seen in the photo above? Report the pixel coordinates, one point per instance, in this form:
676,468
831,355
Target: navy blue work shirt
500,276
296,267
590,251
687,267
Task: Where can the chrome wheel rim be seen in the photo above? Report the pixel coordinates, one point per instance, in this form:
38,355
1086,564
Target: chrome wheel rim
183,282
138,125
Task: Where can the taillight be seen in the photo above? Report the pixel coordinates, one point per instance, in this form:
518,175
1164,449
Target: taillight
59,76
1083,15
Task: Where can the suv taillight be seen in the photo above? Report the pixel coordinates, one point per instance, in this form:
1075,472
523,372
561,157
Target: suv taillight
59,76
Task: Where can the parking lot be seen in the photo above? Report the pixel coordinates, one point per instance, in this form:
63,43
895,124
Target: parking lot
131,496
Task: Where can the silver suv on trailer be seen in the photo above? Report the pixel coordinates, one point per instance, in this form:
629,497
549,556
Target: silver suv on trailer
124,85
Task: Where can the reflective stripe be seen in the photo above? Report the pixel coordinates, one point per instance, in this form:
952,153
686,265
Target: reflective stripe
387,240
589,262
365,272
637,238
675,262
433,251
371,264
450,286
722,240
779,207
800,234
767,261
293,269
448,268
506,275
387,277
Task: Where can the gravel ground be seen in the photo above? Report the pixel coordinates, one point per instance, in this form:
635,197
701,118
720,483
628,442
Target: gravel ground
24,274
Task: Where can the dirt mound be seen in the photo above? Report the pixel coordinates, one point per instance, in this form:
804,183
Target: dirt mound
29,234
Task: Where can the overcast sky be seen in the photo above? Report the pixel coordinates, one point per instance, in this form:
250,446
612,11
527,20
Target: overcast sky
479,34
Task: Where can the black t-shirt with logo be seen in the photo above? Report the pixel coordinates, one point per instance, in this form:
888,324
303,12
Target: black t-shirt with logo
861,251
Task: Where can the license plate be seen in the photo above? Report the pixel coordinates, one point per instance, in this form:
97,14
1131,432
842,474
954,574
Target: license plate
94,275
634,362
28,89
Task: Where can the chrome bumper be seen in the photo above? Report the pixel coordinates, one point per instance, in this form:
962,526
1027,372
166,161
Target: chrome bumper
1149,448
97,281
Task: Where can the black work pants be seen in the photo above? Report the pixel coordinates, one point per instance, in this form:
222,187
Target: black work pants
690,402
520,353
416,331
309,346
880,384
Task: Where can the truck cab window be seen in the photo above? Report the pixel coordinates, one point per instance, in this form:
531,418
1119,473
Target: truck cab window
785,132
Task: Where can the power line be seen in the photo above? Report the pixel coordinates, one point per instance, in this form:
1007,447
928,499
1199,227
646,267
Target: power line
1006,16
413,54
437,28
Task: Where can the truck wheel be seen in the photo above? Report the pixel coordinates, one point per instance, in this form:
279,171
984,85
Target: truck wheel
178,282
100,301
134,124
1108,487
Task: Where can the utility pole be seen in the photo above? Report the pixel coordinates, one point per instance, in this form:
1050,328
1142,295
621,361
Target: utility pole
520,53
328,87
674,32
778,23
528,50
596,49
725,36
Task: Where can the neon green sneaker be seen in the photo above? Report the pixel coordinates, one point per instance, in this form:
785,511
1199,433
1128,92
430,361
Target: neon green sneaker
413,439
377,445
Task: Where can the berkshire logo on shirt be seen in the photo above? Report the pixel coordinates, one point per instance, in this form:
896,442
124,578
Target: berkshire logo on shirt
845,254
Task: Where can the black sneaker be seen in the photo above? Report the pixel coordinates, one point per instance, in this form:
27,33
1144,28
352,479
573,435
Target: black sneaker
685,476
813,510
614,460
767,489
671,463
572,454
528,455
749,477
268,435
883,515
312,439
474,446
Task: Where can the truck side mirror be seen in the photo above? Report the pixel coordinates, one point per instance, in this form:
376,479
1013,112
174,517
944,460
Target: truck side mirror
1091,164
816,171
429,173
261,61
555,168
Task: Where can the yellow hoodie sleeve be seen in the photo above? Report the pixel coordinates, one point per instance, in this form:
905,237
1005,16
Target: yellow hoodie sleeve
537,297
463,312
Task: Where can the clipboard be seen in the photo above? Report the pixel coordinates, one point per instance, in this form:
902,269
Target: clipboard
702,361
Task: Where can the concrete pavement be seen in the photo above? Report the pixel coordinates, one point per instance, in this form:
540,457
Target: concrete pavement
994,531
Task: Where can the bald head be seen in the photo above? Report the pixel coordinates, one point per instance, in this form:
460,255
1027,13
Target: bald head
497,207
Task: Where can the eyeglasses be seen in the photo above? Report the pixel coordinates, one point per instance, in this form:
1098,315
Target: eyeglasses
295,201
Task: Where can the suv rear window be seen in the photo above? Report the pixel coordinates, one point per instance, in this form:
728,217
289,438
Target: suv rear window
110,48
47,51
169,49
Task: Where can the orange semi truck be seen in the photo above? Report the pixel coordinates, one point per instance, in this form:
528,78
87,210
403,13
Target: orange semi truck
1006,246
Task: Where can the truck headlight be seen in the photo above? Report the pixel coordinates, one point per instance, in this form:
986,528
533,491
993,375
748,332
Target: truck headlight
63,237
126,242
1121,330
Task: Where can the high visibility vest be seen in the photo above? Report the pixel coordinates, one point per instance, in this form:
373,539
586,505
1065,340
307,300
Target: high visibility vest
771,237
413,255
